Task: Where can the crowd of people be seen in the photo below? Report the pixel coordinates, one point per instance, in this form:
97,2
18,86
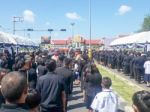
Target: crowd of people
133,64
42,81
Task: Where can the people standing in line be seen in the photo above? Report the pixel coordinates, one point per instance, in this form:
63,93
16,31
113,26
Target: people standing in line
107,100
67,76
32,76
52,90
147,72
41,69
14,89
93,85
139,67
141,101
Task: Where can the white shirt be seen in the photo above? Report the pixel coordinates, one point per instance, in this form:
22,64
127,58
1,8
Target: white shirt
76,67
147,67
105,101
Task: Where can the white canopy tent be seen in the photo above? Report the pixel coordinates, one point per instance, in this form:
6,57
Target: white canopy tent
6,38
141,38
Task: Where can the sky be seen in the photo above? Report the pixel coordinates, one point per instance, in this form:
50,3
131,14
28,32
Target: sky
109,18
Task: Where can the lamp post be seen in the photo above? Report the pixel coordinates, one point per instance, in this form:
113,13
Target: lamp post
90,23
90,50
50,37
72,25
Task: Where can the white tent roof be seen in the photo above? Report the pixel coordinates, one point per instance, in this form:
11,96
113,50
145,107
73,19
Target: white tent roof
6,38
142,37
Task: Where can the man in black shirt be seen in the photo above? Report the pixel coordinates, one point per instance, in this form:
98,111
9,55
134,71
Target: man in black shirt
52,90
14,90
67,76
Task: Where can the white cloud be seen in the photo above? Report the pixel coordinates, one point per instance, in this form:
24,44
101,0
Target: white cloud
124,9
73,16
29,16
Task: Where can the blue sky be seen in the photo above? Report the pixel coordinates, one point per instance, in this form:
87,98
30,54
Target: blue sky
109,17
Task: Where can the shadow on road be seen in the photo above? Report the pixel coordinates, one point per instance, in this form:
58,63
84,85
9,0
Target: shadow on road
75,98
76,92
75,106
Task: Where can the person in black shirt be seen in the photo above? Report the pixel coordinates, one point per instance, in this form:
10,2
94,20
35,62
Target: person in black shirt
14,90
52,90
32,76
67,76
41,69
93,85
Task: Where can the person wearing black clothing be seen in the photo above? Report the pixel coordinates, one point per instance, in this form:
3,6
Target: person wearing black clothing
67,76
131,69
41,69
52,90
139,67
93,85
16,94
32,76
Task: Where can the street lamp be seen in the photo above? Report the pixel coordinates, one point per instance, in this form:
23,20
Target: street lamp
90,50
72,25
90,23
50,30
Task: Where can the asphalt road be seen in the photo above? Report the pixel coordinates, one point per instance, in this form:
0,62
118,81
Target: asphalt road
76,103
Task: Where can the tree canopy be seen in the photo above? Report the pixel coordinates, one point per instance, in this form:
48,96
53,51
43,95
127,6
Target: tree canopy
146,24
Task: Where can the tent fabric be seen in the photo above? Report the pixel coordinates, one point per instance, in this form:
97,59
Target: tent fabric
6,38
141,38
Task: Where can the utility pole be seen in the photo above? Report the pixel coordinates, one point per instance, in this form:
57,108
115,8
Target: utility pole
16,19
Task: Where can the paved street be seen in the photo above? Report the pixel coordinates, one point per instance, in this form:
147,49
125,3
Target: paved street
76,103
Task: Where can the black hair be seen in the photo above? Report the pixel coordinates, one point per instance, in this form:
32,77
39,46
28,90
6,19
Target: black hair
67,61
106,81
33,65
40,61
94,69
141,100
33,98
20,64
50,65
13,85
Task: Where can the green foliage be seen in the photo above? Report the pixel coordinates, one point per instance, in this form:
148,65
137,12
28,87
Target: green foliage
146,24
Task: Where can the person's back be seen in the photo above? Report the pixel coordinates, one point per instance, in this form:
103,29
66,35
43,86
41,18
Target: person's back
93,83
105,101
41,70
66,74
51,89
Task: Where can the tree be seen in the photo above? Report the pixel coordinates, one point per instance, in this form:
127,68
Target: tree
146,24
